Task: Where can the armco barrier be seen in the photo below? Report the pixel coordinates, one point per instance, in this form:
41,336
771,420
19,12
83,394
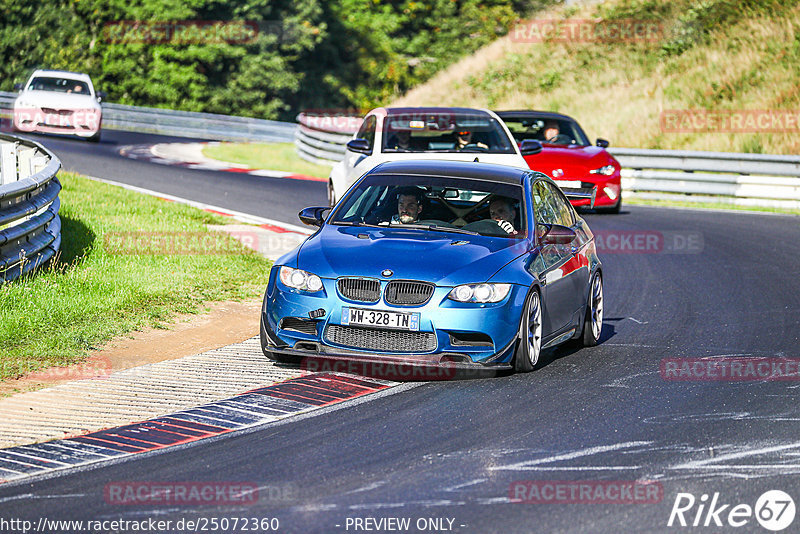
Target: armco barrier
183,123
721,177
30,229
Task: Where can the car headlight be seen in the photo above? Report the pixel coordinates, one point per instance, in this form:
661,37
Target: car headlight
480,292
605,170
302,280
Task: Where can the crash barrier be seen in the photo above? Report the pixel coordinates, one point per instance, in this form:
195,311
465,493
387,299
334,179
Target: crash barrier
721,177
724,177
30,228
183,123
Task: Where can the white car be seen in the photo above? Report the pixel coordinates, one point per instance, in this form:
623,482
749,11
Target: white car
56,101
460,134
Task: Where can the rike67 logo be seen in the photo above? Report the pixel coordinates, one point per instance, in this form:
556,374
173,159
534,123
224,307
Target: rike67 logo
774,510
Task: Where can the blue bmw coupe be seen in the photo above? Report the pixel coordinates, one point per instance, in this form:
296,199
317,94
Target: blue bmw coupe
438,263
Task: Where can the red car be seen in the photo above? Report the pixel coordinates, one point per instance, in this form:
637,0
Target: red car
568,156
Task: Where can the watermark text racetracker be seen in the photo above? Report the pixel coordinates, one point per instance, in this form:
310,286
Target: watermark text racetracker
648,242
730,121
575,30
178,243
585,492
730,369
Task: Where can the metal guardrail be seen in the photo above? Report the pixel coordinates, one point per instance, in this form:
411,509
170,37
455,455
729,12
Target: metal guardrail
722,177
30,228
183,123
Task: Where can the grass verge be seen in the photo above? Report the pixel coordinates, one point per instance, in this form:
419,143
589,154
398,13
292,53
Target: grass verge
272,156
708,205
714,55
93,293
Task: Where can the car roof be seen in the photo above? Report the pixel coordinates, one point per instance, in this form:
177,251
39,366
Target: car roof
63,73
434,109
529,114
490,172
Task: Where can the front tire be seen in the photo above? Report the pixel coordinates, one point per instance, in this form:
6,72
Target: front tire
593,319
274,356
613,210
331,194
529,347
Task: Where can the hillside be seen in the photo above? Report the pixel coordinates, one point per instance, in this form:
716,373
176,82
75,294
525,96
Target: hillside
711,55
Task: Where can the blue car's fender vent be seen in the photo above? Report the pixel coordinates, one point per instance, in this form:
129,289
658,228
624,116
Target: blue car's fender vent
380,340
304,326
360,289
408,293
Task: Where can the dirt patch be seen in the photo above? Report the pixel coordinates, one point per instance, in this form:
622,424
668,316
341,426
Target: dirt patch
224,324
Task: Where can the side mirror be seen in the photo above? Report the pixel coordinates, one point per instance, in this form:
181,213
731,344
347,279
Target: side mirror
555,234
359,145
101,95
530,147
18,87
602,143
313,216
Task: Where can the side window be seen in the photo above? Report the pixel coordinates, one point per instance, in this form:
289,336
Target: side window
543,205
561,206
367,130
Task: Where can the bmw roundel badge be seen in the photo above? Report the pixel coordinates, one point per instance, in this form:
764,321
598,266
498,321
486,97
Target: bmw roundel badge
386,273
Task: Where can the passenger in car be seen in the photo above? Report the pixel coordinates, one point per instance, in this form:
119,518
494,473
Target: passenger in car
501,210
401,140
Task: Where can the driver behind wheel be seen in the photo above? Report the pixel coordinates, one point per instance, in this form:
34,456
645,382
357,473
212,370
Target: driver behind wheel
501,210
464,140
409,205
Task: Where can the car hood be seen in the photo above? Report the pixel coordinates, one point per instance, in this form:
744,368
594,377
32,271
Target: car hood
446,259
56,100
572,161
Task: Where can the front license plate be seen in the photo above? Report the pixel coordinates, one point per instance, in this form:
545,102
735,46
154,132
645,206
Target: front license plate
386,319
568,183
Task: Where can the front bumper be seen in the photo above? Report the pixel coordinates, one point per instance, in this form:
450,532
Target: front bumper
609,189
457,336
80,122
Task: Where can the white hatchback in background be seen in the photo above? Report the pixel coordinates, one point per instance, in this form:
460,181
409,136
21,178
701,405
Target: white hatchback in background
60,102
436,133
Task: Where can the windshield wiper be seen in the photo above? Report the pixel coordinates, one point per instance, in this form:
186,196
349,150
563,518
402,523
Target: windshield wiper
355,223
434,227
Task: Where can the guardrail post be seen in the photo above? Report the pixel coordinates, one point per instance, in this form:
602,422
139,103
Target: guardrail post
8,163
25,160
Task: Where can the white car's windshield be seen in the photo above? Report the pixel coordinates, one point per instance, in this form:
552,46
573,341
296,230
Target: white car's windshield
458,205
59,85
445,132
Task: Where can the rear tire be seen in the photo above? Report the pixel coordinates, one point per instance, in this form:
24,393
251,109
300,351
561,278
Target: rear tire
593,319
529,347
95,138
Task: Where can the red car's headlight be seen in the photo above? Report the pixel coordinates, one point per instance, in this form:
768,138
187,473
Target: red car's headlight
605,170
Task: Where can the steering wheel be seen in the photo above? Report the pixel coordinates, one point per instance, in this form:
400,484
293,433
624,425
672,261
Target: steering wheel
560,139
474,147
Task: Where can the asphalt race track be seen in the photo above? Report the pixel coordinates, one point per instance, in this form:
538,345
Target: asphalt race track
273,198
451,450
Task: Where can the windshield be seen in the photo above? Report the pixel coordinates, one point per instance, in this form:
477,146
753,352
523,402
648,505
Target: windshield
59,85
424,203
445,132
547,130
